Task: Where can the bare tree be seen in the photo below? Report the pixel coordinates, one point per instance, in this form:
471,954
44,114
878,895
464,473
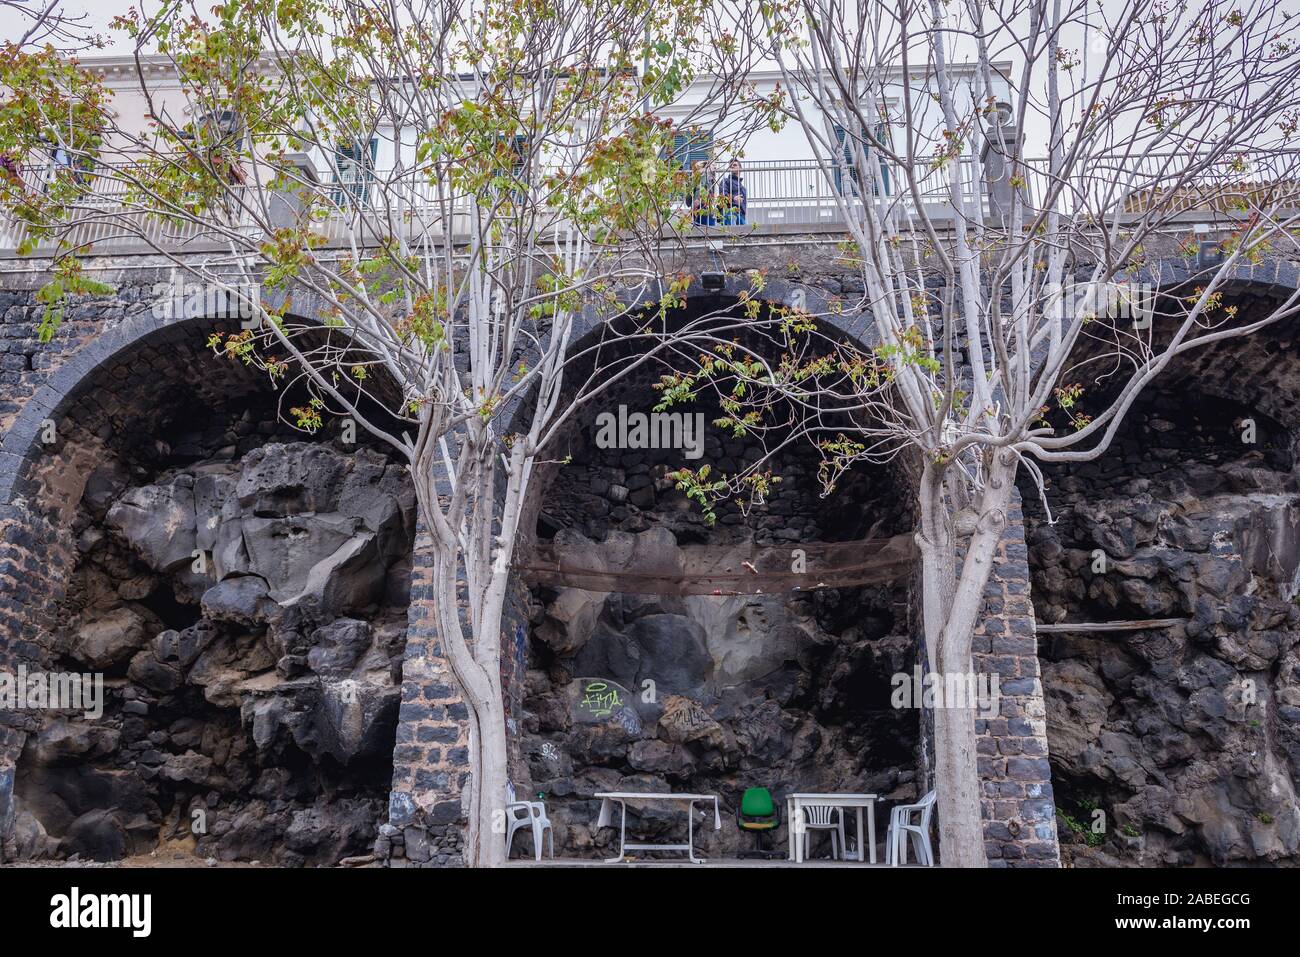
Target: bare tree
41,22
998,286
530,182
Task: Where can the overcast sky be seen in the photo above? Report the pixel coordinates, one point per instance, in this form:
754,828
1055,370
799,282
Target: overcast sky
96,17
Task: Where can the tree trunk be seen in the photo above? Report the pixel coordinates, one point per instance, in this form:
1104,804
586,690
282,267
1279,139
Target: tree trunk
956,779
475,659
481,691
485,806
490,764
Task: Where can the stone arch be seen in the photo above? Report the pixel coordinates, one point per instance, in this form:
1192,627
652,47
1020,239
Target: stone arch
1018,805
36,555
430,768
31,509
1196,522
841,323
132,384
857,327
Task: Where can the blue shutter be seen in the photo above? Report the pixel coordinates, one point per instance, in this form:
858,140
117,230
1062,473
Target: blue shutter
520,148
690,147
842,140
356,168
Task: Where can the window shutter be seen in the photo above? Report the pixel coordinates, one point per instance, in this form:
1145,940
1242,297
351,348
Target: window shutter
356,167
691,147
846,147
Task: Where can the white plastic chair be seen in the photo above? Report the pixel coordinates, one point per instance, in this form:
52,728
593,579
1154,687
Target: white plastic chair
824,817
901,829
524,814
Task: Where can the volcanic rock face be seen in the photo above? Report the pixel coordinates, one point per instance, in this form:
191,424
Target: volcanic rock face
664,694
1186,738
642,691
249,617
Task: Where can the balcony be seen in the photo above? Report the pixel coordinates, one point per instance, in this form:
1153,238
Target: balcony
784,196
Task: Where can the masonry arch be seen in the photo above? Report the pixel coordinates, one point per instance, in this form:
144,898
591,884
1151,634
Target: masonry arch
1182,731
721,686
256,692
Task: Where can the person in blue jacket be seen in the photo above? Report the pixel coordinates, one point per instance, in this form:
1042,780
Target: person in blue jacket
732,196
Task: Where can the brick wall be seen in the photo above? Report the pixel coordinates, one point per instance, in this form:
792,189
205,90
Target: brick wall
1015,775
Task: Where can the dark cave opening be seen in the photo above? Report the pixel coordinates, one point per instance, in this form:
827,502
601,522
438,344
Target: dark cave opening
719,692
242,588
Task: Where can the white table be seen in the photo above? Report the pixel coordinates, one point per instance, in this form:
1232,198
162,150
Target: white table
607,799
794,819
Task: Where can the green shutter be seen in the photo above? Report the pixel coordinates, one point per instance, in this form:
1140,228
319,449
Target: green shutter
356,168
846,147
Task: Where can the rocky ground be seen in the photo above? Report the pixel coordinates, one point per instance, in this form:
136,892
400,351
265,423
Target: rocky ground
252,695
1181,742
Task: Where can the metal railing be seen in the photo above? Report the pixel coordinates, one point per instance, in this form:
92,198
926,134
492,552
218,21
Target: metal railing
104,214
811,193
1167,182
782,196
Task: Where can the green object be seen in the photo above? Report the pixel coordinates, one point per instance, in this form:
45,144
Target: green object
756,802
758,813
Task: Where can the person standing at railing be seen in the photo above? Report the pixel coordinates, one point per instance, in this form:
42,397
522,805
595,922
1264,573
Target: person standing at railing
9,170
732,196
703,200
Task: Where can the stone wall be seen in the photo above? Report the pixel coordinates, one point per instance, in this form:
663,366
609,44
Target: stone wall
429,762
1178,743
99,380
1015,774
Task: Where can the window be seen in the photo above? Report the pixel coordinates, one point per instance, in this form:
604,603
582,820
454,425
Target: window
519,147
846,145
224,128
355,164
79,166
691,147
221,133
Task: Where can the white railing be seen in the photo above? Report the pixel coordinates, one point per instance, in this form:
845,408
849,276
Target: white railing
809,193
104,215
782,196
1168,182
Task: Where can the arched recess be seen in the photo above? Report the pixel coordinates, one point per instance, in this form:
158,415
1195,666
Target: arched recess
144,411
430,764
40,484
1018,809
1182,733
